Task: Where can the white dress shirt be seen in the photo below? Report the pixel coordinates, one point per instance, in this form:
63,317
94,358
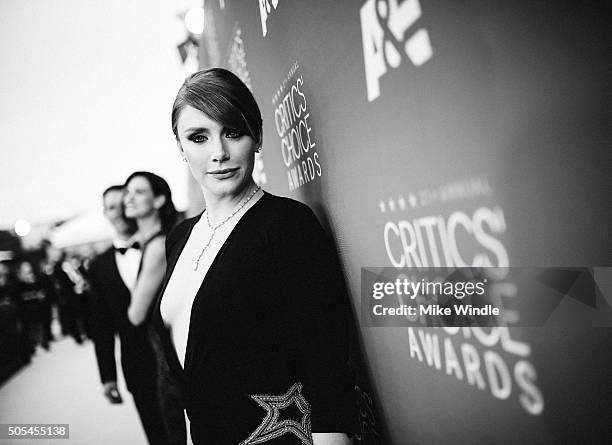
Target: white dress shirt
127,263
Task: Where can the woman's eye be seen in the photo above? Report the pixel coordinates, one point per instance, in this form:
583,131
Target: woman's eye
197,138
233,134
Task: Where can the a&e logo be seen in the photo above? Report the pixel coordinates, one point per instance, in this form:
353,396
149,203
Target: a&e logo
265,8
384,25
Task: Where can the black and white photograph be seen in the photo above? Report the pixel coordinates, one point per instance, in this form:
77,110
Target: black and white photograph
351,222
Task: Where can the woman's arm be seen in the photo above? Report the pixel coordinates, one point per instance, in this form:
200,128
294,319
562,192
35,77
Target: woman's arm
318,315
149,280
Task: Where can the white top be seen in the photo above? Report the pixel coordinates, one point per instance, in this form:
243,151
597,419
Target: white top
128,263
185,282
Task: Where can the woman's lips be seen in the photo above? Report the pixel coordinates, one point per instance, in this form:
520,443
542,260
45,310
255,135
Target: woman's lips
223,172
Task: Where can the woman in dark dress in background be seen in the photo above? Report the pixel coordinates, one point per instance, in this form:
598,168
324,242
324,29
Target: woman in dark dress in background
148,200
253,312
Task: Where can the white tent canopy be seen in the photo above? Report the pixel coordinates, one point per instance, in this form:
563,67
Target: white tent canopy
89,227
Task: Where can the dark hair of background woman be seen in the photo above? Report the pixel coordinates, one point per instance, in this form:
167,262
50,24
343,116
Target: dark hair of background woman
223,97
167,213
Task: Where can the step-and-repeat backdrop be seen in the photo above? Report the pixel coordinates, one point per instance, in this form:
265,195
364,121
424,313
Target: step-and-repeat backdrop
472,133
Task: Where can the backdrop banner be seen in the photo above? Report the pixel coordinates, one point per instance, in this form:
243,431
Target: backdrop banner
451,134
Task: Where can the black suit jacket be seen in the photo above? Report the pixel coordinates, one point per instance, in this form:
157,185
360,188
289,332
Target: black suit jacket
111,301
268,326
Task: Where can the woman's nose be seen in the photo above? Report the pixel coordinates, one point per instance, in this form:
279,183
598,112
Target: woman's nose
219,153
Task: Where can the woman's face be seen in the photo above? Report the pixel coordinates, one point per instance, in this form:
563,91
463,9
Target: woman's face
139,200
221,159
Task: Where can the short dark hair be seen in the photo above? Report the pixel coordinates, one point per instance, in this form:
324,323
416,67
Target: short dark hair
131,222
160,187
113,188
222,96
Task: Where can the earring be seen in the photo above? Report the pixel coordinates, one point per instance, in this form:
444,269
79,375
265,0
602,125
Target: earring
258,149
184,159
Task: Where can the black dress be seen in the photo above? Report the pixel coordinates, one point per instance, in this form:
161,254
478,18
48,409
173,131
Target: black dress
266,357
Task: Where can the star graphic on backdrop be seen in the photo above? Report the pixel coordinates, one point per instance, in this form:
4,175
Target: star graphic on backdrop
401,202
382,206
392,205
412,200
271,427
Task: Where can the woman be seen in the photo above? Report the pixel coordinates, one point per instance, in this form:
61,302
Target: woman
148,200
253,301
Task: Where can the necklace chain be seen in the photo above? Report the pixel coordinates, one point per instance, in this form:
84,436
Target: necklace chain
214,229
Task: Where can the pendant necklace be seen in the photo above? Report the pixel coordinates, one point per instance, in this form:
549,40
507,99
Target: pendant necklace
214,229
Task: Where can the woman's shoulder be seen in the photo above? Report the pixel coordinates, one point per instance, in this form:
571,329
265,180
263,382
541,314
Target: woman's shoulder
155,243
288,218
286,208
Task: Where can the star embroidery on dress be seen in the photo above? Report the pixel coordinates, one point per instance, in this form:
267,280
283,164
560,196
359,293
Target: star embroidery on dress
271,428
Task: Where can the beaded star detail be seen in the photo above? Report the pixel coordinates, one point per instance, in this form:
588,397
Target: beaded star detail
271,427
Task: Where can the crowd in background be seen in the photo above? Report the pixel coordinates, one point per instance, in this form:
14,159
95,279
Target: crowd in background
39,289
36,289
98,292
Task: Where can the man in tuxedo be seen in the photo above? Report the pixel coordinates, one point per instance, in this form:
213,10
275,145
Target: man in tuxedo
113,274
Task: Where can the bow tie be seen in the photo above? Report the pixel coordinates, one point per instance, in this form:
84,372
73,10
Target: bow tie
122,250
